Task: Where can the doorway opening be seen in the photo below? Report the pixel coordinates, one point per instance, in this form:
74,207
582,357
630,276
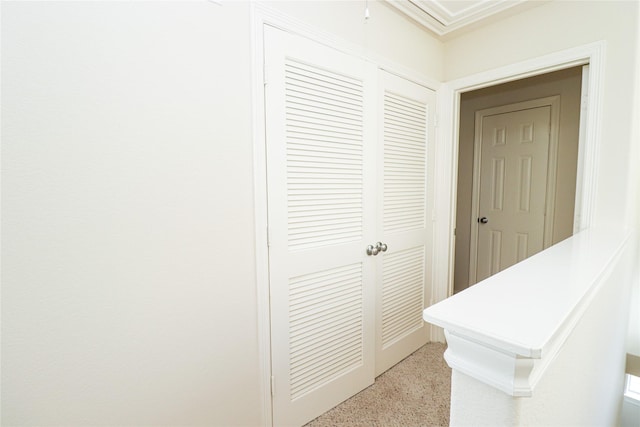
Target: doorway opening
566,84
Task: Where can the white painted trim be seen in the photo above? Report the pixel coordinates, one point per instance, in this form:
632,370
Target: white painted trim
552,161
590,149
447,148
552,172
512,347
497,368
420,16
631,393
584,112
260,215
442,287
437,18
474,12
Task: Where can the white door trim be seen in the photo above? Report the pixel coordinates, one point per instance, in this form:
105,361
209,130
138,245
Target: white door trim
447,148
584,113
260,215
554,103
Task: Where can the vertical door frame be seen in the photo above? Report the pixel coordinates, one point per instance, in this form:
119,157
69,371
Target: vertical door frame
262,15
550,191
584,113
592,54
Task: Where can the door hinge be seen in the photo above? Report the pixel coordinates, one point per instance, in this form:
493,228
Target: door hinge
264,73
273,385
268,237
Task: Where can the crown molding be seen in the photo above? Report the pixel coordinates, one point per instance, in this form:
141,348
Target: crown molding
435,16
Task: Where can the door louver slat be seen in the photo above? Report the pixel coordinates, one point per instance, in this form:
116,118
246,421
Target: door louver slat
324,134
325,326
402,293
404,205
324,178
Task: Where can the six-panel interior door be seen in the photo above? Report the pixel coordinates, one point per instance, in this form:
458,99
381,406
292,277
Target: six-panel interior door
513,186
321,205
404,216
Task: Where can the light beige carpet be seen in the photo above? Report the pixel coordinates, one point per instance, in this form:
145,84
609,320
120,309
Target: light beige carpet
414,393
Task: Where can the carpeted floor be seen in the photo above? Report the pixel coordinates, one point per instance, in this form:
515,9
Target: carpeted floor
414,393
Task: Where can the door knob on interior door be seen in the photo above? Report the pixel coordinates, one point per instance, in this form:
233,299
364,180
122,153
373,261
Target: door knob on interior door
382,247
372,250
483,220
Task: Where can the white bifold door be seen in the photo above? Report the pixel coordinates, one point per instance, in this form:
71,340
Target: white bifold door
349,157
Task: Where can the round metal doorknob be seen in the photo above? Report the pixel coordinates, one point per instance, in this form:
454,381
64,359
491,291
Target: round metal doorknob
382,247
372,250
483,220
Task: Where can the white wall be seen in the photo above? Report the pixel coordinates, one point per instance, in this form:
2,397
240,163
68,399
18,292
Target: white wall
128,290
387,33
558,25
128,285
128,269
634,198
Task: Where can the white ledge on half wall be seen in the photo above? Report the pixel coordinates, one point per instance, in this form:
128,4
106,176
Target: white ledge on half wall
505,330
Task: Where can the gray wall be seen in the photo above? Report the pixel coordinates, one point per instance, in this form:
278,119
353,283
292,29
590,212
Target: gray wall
567,84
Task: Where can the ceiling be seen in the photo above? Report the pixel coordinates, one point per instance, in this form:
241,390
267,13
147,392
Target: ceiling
444,17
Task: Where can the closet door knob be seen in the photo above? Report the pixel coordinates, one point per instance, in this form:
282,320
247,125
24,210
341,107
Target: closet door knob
372,250
483,220
382,247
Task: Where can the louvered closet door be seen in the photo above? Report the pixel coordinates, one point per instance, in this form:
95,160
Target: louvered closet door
321,205
404,217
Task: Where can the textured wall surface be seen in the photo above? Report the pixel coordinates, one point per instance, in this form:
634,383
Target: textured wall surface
128,293
128,258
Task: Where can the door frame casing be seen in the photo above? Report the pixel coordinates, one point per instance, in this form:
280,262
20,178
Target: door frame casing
448,99
554,129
